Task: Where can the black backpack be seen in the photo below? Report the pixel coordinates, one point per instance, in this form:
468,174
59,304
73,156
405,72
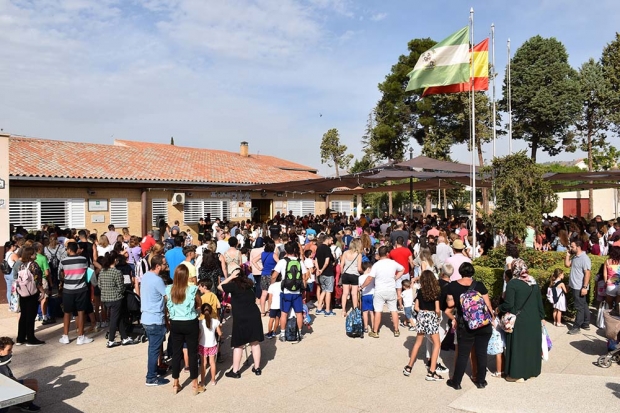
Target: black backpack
5,267
292,331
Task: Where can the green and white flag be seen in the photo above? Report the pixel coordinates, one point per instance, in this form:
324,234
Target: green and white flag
446,63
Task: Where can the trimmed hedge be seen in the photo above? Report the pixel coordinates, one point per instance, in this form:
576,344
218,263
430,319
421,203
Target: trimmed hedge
544,263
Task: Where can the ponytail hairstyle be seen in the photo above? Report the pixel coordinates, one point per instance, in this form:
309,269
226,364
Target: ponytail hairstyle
206,312
556,274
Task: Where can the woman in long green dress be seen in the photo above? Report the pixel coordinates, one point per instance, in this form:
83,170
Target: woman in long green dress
523,345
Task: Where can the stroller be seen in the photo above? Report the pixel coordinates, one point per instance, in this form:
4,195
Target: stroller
131,314
612,332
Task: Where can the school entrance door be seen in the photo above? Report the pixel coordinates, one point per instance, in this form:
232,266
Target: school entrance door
261,210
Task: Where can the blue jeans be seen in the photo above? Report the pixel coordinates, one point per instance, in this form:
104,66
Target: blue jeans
9,283
155,334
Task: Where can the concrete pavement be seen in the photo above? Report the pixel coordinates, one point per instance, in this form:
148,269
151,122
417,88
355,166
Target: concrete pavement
326,372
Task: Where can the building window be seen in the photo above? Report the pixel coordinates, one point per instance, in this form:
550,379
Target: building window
195,209
341,206
119,212
300,207
33,213
159,211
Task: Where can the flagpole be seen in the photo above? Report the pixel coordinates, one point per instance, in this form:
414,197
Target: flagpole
494,107
493,95
473,138
509,105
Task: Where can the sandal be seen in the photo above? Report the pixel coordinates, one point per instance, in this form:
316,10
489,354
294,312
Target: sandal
433,376
176,389
407,371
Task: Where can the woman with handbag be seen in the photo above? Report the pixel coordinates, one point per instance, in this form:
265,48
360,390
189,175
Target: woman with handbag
524,301
351,264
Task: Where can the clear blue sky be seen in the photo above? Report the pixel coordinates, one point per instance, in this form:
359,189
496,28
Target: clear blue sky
213,73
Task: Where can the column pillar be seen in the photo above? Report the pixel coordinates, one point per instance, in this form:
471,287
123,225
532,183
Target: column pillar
4,189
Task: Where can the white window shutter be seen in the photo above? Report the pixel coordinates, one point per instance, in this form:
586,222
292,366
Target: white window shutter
76,209
159,210
192,211
119,212
341,206
25,213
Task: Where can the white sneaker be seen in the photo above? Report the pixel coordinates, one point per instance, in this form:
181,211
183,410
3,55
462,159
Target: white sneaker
64,339
84,340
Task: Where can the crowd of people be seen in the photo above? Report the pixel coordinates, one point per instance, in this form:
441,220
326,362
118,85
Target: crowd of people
420,269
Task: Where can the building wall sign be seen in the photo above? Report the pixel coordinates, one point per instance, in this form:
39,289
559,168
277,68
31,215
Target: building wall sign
97,205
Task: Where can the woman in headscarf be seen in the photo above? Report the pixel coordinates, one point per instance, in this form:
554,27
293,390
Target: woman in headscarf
523,298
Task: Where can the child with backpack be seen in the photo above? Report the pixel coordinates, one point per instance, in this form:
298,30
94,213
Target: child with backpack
309,263
556,294
207,342
429,312
368,292
274,292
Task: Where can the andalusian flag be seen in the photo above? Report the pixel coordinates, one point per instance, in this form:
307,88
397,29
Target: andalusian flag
446,63
481,73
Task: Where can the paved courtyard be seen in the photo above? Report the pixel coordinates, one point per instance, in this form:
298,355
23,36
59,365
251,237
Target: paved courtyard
326,372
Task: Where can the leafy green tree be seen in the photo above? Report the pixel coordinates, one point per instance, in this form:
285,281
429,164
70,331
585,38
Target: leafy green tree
545,95
333,153
522,194
611,67
605,158
594,121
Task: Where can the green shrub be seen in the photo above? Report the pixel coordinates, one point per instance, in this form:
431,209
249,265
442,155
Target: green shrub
544,264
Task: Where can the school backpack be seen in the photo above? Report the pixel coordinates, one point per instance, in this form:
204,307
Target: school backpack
552,296
293,280
475,311
142,267
26,286
5,267
292,331
353,323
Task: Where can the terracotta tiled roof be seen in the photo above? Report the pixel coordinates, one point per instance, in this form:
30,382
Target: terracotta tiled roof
128,160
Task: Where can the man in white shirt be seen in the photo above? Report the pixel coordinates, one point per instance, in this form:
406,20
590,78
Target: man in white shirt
216,226
442,253
384,272
291,298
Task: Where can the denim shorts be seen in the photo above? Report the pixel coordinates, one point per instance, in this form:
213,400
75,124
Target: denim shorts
409,313
275,313
310,287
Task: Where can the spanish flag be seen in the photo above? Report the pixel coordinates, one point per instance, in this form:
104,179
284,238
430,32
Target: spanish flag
481,74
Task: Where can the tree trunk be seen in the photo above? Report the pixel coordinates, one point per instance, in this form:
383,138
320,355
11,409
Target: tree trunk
337,171
534,149
590,190
485,191
428,209
389,199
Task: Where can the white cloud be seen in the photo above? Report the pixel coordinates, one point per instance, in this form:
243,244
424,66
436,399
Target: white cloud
378,17
211,73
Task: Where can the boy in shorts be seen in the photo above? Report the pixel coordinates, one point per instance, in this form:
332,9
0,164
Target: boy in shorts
408,296
274,292
368,292
309,263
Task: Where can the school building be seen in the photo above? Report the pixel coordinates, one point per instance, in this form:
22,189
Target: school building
137,184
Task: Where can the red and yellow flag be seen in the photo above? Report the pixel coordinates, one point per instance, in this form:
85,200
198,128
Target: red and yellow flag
481,74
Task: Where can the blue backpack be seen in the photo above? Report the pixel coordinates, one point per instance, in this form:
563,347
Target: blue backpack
354,325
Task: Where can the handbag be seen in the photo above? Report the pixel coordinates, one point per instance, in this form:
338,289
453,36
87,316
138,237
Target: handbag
544,348
546,333
509,320
496,344
600,317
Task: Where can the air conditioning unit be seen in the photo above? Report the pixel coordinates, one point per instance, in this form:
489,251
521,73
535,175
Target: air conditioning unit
178,198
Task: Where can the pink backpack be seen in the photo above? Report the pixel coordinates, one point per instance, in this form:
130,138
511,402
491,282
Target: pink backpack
26,286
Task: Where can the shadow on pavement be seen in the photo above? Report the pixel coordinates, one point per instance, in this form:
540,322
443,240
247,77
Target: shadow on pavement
55,388
592,348
615,387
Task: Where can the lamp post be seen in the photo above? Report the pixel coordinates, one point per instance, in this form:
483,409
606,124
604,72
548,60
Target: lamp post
411,187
